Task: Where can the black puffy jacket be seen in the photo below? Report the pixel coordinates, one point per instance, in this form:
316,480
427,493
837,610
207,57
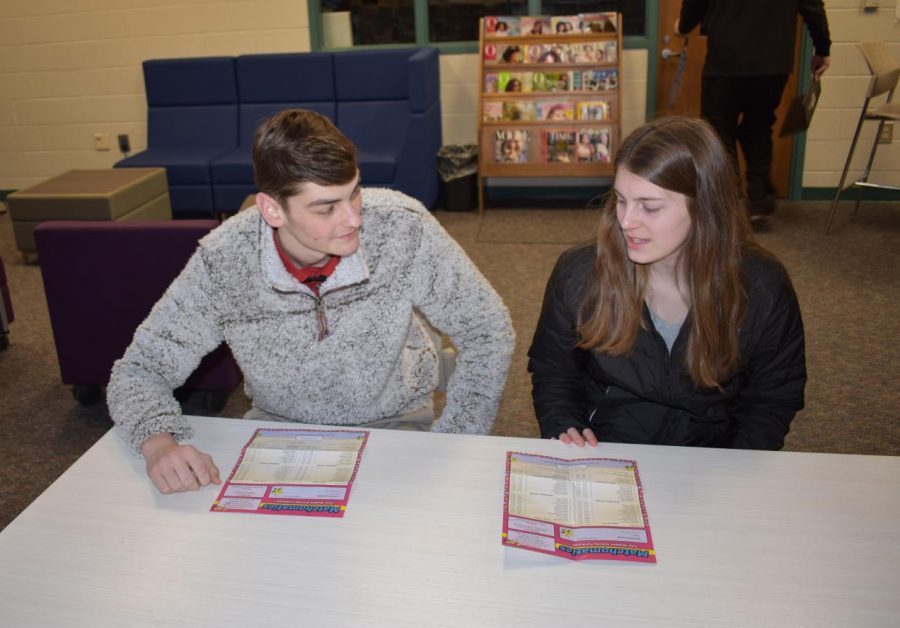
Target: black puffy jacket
648,396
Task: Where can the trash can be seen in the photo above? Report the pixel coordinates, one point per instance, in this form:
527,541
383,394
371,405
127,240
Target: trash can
458,168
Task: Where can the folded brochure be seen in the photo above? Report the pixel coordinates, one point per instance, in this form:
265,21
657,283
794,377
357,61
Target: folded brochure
294,472
589,508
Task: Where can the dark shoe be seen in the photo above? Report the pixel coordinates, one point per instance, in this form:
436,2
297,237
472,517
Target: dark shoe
760,224
762,207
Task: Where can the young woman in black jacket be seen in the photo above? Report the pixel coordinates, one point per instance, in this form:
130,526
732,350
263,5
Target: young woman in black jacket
674,327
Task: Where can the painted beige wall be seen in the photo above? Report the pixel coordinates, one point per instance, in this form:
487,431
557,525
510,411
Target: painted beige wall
844,88
71,68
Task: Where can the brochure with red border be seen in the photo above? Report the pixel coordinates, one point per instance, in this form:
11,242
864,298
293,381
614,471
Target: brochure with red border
588,508
304,472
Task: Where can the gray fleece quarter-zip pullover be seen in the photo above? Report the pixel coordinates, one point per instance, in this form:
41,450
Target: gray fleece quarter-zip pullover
376,359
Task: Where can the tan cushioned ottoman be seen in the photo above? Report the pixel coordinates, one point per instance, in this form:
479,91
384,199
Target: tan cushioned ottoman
114,194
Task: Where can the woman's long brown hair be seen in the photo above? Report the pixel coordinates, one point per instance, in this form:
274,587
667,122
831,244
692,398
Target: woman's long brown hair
681,155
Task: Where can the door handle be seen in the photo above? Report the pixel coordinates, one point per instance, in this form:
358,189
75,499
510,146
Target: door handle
668,53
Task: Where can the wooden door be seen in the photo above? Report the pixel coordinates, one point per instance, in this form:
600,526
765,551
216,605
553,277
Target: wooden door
686,99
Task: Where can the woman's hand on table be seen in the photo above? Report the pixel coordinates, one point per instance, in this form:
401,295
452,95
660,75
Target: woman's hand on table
574,436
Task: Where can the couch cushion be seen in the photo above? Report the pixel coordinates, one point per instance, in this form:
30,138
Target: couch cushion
194,81
372,74
235,166
375,125
228,198
208,126
296,76
379,131
377,167
183,165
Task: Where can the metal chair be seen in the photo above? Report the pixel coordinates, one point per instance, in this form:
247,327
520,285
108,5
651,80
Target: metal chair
884,79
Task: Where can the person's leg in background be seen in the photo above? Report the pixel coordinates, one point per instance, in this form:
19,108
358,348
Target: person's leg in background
761,97
720,105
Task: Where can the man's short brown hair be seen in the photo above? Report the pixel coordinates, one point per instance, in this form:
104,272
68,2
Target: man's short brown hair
296,146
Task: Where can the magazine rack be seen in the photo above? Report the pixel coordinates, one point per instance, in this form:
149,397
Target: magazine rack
550,103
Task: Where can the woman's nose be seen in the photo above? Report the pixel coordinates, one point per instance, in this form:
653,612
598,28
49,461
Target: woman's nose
627,215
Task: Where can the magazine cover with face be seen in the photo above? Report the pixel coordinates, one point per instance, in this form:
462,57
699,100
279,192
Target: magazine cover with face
512,146
501,25
597,22
535,25
556,110
594,145
551,81
558,145
565,24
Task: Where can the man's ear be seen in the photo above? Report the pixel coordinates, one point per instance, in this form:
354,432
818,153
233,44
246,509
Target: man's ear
270,210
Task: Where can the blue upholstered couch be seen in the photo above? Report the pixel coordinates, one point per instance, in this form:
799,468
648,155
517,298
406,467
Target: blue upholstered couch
202,114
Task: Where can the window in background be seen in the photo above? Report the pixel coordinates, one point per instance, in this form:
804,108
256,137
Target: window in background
457,20
376,21
342,23
633,11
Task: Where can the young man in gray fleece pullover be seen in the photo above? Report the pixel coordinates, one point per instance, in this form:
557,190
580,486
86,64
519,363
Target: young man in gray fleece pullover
347,347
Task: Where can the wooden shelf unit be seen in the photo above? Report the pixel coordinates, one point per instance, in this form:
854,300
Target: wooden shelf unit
537,163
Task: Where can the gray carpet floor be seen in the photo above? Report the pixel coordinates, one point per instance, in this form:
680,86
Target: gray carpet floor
848,284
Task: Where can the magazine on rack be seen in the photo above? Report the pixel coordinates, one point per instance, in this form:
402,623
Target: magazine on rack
550,81
558,145
599,80
508,82
504,54
594,145
550,53
490,83
492,111
563,24
522,110
512,146
501,25
556,110
597,22
535,24
592,110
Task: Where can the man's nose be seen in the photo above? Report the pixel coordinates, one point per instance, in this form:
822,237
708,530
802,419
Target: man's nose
354,219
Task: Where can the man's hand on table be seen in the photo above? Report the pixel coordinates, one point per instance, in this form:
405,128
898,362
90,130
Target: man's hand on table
177,468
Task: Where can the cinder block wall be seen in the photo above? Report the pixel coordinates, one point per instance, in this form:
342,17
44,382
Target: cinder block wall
72,68
844,88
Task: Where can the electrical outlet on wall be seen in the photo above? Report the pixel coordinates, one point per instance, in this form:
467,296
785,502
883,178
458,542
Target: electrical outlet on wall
870,6
887,133
102,141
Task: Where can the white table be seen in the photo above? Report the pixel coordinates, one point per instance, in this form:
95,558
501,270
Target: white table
742,539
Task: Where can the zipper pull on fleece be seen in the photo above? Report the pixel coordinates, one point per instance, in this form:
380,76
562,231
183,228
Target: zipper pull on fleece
323,322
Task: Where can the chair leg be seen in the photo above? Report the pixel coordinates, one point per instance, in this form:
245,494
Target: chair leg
840,188
865,177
